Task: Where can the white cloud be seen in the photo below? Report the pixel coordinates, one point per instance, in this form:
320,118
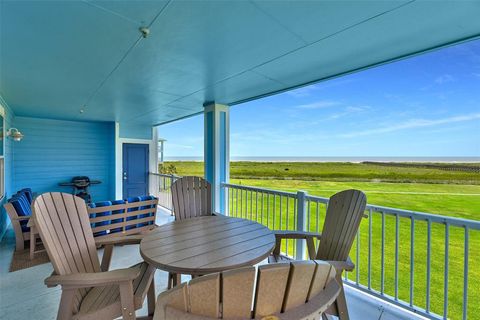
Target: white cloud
413,123
318,105
347,112
303,91
305,120
445,78
179,146
357,108
274,137
311,89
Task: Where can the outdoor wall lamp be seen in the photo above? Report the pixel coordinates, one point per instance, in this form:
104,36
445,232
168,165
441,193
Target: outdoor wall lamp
14,134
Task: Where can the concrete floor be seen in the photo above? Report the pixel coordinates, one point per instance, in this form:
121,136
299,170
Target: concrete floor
24,296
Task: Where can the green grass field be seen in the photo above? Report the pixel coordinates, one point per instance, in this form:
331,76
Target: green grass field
268,211
334,171
449,193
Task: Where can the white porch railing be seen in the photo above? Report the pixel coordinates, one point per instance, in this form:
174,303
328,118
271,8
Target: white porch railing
161,186
418,261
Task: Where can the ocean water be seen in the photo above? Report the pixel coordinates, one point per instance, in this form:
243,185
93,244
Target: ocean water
340,159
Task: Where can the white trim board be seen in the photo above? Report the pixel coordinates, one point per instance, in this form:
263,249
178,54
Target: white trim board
2,156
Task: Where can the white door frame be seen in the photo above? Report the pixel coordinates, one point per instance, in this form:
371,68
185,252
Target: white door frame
152,159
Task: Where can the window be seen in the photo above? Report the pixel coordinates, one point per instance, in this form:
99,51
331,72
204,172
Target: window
2,178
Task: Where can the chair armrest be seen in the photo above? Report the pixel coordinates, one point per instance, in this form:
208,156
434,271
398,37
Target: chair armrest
145,232
21,218
131,239
341,266
291,234
108,244
31,223
86,280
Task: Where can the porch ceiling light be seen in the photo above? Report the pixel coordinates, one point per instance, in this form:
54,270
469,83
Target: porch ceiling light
14,134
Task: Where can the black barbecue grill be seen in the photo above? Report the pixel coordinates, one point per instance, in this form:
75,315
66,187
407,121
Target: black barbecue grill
80,186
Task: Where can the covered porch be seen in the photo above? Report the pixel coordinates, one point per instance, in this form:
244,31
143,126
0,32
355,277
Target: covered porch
36,296
84,81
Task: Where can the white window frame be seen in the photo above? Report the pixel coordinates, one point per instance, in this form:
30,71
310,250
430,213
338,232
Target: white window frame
2,156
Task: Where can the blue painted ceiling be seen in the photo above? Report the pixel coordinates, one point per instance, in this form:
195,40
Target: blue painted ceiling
58,57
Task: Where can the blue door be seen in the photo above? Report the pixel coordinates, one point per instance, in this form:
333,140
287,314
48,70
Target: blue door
135,170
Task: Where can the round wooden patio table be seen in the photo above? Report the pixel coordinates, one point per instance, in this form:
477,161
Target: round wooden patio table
208,244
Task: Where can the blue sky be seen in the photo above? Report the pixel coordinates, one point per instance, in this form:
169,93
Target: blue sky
428,105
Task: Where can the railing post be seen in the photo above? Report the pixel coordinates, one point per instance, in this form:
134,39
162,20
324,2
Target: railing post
301,223
226,199
170,195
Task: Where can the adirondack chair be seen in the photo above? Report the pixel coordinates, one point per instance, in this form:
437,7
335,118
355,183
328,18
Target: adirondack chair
19,220
297,290
88,291
191,197
344,214
19,212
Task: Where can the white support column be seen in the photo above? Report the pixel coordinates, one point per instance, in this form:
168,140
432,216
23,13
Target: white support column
153,163
118,163
217,152
302,212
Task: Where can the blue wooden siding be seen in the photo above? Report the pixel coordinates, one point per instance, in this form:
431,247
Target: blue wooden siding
9,116
53,151
135,131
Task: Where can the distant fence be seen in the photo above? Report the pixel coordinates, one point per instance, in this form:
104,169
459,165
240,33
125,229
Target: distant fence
438,166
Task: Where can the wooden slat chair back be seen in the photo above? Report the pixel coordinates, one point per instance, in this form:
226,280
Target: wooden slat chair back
64,226
344,214
191,197
120,219
297,290
62,221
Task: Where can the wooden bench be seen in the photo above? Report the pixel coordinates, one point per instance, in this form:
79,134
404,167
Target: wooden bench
120,219
123,218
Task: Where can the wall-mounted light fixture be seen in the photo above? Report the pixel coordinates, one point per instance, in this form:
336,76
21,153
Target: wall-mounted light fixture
14,134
